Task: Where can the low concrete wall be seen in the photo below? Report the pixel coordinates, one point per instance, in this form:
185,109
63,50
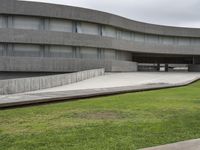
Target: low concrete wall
194,68
46,64
21,85
121,66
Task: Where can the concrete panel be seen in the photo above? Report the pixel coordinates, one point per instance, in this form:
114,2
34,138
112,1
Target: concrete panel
13,86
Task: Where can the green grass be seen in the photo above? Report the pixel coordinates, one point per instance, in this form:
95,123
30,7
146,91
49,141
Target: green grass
121,122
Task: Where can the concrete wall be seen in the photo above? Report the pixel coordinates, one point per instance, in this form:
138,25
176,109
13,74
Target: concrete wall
47,64
76,13
83,40
123,66
21,85
81,27
62,51
194,68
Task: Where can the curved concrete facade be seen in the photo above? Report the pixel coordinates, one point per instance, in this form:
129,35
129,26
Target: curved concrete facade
43,37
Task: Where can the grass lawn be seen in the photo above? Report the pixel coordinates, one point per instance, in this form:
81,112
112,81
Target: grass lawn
121,122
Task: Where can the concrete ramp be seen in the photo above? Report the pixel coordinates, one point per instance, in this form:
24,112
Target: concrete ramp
101,86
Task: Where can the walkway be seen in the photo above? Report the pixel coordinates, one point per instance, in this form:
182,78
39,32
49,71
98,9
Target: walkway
185,145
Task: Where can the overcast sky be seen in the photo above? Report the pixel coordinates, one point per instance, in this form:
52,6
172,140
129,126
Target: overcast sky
184,13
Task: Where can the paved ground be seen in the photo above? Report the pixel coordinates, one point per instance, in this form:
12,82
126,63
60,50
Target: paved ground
185,145
99,86
32,98
127,79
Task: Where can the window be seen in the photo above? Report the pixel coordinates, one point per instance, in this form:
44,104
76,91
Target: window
23,22
125,35
28,50
61,25
61,51
139,37
151,38
109,54
195,41
122,55
89,53
109,31
183,41
167,40
88,28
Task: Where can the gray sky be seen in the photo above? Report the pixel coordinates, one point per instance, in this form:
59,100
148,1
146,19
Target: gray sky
184,13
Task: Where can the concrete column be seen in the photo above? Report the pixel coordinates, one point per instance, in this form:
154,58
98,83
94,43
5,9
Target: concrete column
9,22
74,27
10,49
100,30
158,67
46,51
166,67
42,51
46,24
4,21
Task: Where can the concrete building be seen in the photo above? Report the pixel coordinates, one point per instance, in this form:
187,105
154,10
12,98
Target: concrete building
39,37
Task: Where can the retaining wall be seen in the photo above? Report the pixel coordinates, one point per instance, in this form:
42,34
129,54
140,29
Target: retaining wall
21,85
